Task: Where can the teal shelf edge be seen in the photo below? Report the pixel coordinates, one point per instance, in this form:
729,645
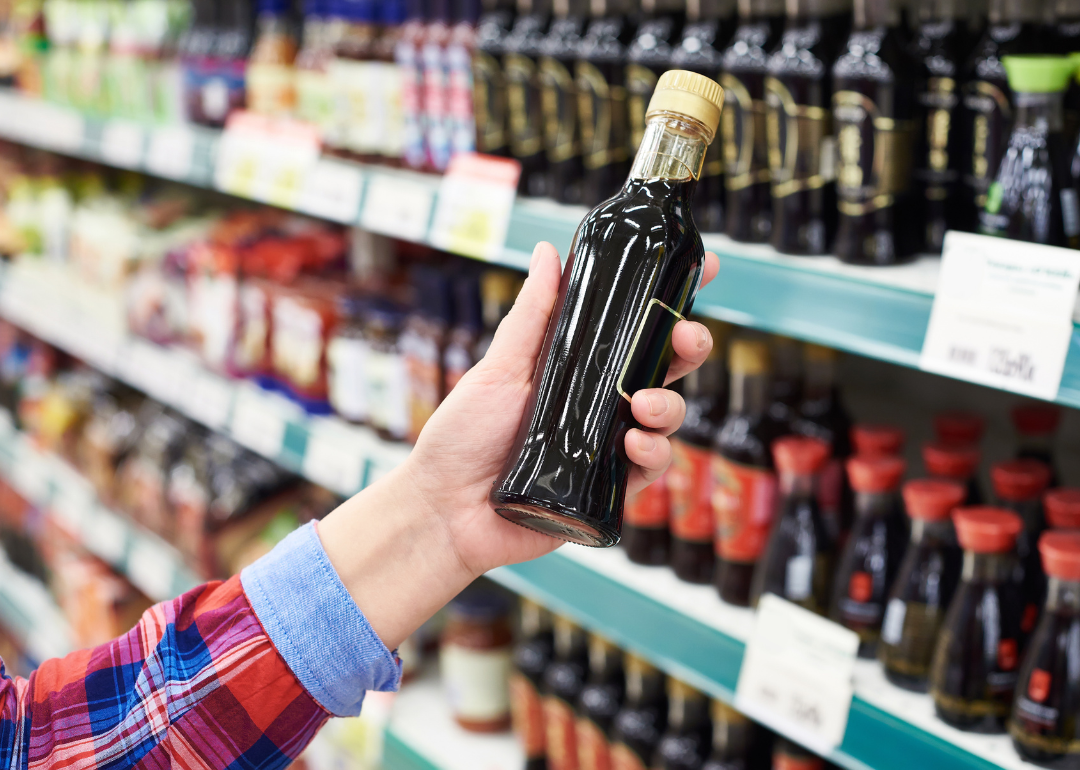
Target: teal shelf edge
398,755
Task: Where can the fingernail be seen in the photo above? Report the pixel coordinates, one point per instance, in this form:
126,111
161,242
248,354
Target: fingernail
646,443
535,257
702,337
657,404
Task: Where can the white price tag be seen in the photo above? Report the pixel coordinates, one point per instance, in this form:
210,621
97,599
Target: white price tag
332,191
151,566
476,197
266,159
796,674
258,423
171,151
122,144
398,207
106,536
1002,315
209,399
335,462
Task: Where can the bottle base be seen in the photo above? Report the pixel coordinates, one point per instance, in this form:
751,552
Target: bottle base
555,524
908,682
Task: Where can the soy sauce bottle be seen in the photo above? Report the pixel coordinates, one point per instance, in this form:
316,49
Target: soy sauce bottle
743,472
648,56
874,117
786,383
957,463
632,273
708,27
973,672
600,73
799,125
532,657
559,100
877,439
489,85
564,680
1032,197
600,701
746,164
871,556
797,563
524,103
1062,508
646,536
924,584
686,742
734,739
642,720
1036,428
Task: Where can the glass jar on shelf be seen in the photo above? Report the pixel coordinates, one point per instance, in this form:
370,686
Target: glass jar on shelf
475,656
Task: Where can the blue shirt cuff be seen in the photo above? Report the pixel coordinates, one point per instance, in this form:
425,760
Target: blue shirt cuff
316,626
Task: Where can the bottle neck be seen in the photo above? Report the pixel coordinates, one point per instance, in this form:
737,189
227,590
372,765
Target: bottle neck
1012,11
605,662
874,503
806,10
534,619
937,531
749,393
1063,595
819,377
700,10
870,14
941,10
643,686
803,485
706,380
687,713
750,10
1041,111
569,642
988,567
673,147
731,737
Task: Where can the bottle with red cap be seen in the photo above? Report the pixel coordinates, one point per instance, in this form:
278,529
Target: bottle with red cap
1044,724
1036,425
872,552
924,583
1018,487
797,563
959,428
1062,508
977,654
955,462
877,439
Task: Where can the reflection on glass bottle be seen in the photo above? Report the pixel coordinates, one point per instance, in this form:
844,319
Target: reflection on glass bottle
524,103
686,742
489,85
532,656
957,463
564,680
641,721
599,703
559,100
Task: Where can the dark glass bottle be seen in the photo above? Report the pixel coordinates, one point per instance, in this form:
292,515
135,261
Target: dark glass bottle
648,56
1067,41
788,755
877,439
708,27
924,584
646,536
871,556
559,100
733,740
1032,197
1036,428
802,147
489,85
641,721
600,701
748,202
526,115
564,680
798,560
959,428
1062,508
1044,725
532,656
600,72
973,671
942,46
785,386
874,115
633,269
686,742
955,462
743,475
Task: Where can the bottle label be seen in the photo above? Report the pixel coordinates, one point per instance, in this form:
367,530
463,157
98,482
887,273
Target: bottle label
560,105
625,758
527,714
1039,685
991,118
315,103
640,84
742,129
476,681
489,103
648,509
253,334
874,155
744,498
858,611
297,345
939,101
801,148
524,106
651,350
594,753
561,743
348,359
798,577
354,88
602,111
271,89
387,380
690,486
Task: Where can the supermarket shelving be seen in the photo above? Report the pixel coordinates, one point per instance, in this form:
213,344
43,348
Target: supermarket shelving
810,298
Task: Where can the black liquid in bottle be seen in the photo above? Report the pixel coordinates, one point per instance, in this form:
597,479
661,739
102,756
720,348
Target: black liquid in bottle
648,56
802,148
641,721
874,115
599,703
746,164
685,744
489,84
564,680
786,384
524,101
532,656
559,100
633,270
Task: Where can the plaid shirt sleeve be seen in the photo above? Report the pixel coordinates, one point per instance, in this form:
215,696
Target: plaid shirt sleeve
229,675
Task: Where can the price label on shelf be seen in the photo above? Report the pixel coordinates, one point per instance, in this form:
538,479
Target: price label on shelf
1002,314
122,143
796,674
258,423
397,206
171,152
331,190
265,159
476,198
106,536
209,399
150,566
335,460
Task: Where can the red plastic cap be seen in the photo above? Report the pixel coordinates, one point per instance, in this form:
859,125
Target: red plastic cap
877,439
1062,508
983,529
959,427
1036,419
932,499
800,454
1061,554
951,461
875,473
1016,480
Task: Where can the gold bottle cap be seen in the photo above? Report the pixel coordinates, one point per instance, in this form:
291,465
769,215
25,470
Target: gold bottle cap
819,354
748,356
690,94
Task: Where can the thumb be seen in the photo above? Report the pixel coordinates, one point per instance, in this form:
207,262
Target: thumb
520,336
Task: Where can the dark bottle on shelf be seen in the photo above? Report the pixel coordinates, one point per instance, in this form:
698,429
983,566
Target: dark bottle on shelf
525,113
924,584
802,147
1032,197
748,202
690,477
489,85
633,270
646,537
641,721
874,117
942,45
785,386
600,73
686,742
708,27
1062,508
788,755
600,701
559,100
1044,725
1012,27
973,671
532,656
743,475
648,56
877,439
959,428
1036,428
955,462
1067,40
733,739
564,680
225,90
871,556
1018,487
798,559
